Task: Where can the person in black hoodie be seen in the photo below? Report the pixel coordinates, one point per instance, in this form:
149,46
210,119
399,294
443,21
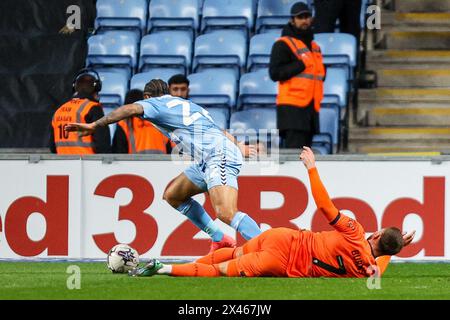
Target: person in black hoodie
296,63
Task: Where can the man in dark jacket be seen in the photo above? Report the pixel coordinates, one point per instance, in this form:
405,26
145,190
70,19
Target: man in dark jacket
296,63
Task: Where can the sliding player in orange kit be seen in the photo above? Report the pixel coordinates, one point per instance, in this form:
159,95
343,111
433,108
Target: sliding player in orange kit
283,252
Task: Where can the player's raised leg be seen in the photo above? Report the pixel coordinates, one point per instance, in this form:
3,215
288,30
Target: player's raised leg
224,200
179,195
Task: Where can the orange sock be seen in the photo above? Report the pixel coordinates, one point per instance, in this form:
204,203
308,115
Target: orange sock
218,256
194,270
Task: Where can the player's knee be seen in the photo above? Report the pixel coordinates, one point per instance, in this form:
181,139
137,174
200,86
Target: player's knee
238,252
170,196
225,214
167,195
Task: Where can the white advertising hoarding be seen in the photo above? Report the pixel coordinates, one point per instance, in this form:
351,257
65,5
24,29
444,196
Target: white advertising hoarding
79,209
40,209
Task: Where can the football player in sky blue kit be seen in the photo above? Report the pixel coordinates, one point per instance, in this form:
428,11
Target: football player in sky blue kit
218,159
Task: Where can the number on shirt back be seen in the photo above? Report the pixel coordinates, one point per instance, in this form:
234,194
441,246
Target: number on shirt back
188,118
330,268
63,134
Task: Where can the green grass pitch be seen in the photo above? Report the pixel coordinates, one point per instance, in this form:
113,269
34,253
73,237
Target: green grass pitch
44,280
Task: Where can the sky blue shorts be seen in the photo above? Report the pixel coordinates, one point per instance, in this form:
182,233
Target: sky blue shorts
215,172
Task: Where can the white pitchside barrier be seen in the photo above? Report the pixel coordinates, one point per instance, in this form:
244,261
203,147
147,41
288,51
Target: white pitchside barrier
79,209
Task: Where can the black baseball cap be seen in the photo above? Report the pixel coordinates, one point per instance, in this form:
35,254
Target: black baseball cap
300,8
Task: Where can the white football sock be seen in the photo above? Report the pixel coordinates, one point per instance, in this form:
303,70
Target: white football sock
166,269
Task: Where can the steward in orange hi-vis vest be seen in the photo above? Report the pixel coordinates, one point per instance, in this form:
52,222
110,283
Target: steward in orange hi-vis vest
84,108
67,142
301,89
296,64
139,136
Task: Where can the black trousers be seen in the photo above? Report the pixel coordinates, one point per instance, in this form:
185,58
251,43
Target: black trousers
347,11
297,125
295,139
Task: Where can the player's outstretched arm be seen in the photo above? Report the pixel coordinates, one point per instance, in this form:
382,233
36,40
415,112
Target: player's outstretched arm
120,113
248,151
319,192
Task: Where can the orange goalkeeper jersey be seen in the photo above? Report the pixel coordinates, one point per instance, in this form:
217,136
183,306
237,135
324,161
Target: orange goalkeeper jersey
344,252
341,253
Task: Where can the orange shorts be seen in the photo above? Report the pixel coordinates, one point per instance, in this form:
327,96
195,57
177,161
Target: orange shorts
266,254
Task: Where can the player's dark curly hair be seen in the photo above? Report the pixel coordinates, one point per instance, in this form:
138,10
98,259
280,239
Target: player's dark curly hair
156,88
391,241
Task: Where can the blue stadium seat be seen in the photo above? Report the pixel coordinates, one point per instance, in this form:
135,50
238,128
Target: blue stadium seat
336,88
121,14
166,48
338,50
213,88
255,125
321,146
174,14
113,49
138,81
220,14
256,89
273,14
200,5
222,48
122,71
220,117
260,49
329,128
114,89
254,119
112,95
330,122
255,5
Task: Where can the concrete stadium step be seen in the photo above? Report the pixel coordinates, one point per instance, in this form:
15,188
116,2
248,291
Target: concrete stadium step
400,148
416,134
422,5
405,95
409,112
399,139
422,19
417,38
378,58
418,76
400,114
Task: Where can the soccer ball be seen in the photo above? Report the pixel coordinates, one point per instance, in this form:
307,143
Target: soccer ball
122,258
